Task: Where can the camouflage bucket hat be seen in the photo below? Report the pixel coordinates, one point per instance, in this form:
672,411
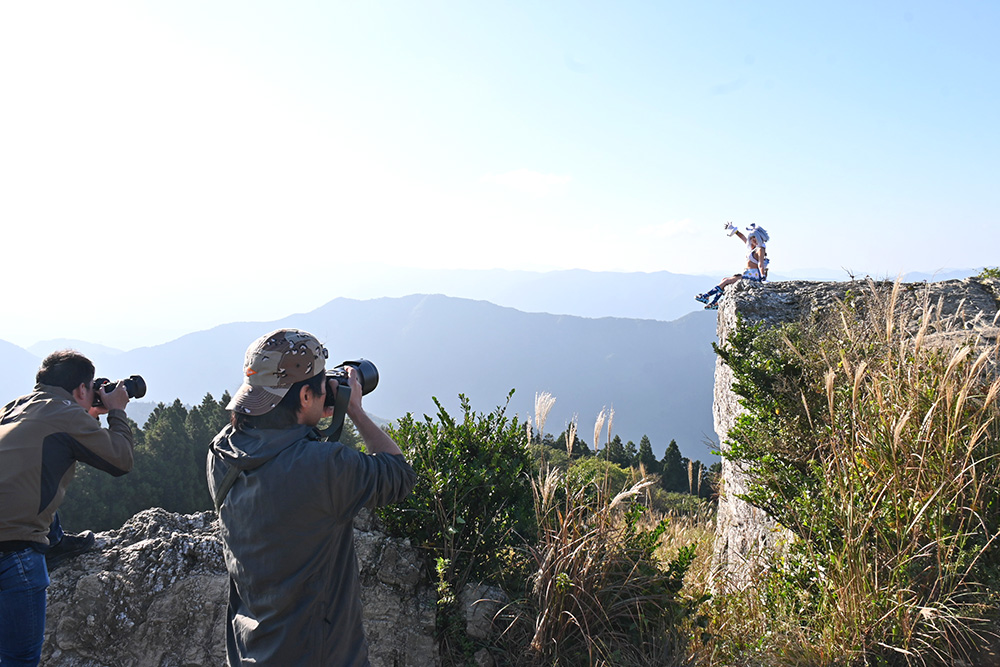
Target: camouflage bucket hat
273,364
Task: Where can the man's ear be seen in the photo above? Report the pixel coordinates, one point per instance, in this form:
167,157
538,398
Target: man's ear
80,393
80,396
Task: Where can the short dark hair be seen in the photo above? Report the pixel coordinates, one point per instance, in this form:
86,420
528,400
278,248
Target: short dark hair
67,369
285,413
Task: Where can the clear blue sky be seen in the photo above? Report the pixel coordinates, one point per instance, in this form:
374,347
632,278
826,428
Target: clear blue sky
200,149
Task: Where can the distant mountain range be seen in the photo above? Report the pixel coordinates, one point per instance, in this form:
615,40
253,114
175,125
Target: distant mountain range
658,295
634,341
658,376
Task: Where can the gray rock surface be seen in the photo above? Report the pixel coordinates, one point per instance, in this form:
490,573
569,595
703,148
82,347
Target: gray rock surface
482,603
744,533
154,593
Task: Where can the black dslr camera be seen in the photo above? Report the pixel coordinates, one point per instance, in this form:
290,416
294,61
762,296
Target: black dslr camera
135,387
367,376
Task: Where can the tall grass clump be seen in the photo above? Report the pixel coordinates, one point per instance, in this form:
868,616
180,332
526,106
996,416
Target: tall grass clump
872,433
594,578
600,594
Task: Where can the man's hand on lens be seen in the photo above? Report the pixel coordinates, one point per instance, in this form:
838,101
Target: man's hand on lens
354,382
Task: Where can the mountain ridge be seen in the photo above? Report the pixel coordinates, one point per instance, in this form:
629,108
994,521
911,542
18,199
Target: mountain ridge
656,375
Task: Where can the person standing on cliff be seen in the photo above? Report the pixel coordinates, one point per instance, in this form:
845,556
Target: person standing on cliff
287,499
42,436
756,240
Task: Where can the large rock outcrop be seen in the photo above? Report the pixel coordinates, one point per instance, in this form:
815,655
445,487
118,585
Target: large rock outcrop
154,592
744,533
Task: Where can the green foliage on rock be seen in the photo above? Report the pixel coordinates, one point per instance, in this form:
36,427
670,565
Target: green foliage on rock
880,452
472,507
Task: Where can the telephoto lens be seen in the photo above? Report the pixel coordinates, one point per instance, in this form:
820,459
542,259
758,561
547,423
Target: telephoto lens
135,387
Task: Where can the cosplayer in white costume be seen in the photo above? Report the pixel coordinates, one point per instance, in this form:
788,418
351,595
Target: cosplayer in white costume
756,239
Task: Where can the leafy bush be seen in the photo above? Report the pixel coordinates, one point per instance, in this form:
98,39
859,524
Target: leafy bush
472,506
554,457
879,451
673,504
593,474
472,503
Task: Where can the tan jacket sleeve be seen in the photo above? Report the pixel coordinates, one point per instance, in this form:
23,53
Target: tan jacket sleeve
108,449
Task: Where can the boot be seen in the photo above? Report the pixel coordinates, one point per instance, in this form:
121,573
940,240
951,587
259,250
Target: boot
68,547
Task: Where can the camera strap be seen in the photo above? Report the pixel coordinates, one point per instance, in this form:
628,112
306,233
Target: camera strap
336,427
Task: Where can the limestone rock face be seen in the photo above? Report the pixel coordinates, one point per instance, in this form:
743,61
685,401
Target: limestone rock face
155,592
743,532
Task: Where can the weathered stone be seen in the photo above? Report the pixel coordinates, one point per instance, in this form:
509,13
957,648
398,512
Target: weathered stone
483,658
155,592
744,533
482,603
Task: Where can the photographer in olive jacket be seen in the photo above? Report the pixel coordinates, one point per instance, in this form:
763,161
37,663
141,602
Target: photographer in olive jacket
42,436
287,499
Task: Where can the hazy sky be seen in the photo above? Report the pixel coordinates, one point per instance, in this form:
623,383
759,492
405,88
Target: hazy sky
173,165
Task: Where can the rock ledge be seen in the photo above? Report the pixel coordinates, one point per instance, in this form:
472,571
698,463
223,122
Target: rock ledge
154,592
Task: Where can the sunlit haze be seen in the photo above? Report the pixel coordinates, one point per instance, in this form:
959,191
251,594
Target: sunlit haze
169,166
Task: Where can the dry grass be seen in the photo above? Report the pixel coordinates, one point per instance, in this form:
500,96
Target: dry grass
885,462
600,594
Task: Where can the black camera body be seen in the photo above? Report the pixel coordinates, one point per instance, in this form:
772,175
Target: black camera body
367,375
135,387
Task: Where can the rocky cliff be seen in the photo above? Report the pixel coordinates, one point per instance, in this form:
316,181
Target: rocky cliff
154,593
743,533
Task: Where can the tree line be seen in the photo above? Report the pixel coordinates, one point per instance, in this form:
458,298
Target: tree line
170,451
169,470
677,473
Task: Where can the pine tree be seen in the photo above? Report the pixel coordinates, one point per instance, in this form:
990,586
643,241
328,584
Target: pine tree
673,473
203,423
646,456
168,460
580,447
631,454
615,452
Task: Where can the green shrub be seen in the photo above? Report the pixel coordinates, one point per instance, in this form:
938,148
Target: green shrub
593,473
674,504
472,503
472,506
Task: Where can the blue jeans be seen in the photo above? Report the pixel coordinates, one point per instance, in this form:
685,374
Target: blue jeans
23,580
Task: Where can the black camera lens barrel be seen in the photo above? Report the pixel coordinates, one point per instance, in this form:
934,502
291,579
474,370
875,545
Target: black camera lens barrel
135,387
